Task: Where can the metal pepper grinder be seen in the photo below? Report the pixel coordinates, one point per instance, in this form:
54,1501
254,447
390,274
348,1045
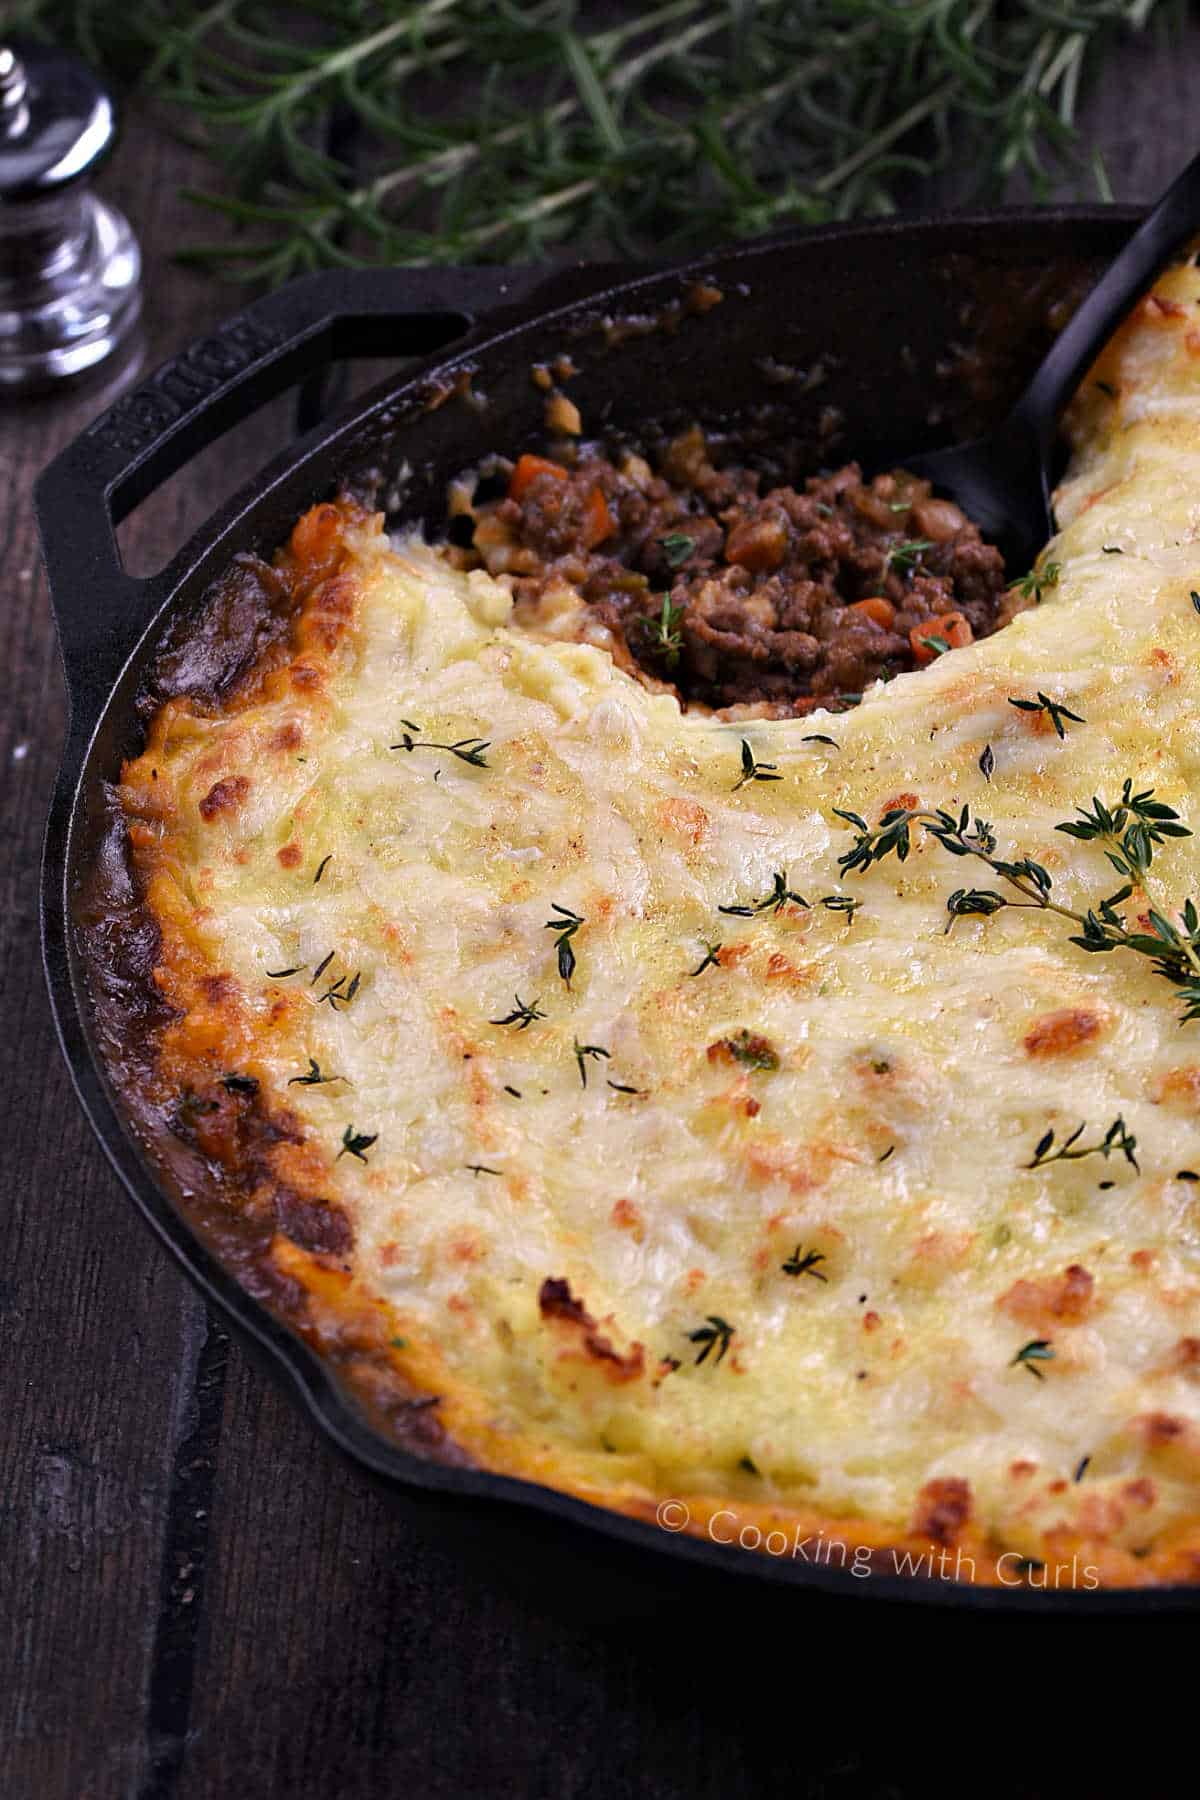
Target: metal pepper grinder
70,269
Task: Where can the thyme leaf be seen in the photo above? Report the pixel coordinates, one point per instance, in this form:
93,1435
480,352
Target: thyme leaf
1117,1137
906,555
779,896
582,1052
1033,585
804,1262
314,1078
676,547
712,953
468,750
1031,1354
356,1143
716,1335
664,633
755,771
1055,711
522,1016
566,925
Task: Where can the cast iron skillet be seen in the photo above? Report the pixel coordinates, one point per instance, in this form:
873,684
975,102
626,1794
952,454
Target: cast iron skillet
858,341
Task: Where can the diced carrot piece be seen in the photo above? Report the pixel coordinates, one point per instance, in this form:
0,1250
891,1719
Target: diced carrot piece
877,608
597,520
527,471
953,630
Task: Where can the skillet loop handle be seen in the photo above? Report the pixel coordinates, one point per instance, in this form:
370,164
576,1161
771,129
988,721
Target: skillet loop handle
151,431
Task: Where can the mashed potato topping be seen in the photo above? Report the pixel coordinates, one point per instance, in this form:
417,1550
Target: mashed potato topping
565,1058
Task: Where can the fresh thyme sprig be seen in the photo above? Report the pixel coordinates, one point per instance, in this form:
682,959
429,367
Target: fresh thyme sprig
468,750
1054,710
755,771
582,1052
314,1077
804,1262
356,1143
522,1015
566,925
1173,950
905,557
716,1335
676,547
1133,827
665,636
781,895
484,132
1034,585
1031,1354
712,959
1117,1137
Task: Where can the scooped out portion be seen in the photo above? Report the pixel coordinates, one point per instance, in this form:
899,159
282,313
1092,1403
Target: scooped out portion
733,594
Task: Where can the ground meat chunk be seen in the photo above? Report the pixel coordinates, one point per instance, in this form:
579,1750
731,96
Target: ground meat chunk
737,595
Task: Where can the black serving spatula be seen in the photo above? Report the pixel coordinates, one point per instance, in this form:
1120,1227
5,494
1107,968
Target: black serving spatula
1002,481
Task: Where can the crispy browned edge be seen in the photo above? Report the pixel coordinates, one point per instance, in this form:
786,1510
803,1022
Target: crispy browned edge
211,1151
212,1156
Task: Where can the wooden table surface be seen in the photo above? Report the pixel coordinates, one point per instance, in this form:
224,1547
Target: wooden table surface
196,1598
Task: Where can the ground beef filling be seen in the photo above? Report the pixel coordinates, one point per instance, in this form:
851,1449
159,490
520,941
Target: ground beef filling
733,595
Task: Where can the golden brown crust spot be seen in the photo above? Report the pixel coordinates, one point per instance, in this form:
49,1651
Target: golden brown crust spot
556,1303
1064,1031
1064,1299
224,796
901,803
684,818
943,1509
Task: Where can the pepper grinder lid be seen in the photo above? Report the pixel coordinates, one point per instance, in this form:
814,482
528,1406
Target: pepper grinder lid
70,268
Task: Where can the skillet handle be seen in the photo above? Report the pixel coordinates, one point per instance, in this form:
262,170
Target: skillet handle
151,431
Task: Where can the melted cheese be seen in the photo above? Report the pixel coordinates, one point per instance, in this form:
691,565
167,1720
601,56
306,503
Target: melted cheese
916,1069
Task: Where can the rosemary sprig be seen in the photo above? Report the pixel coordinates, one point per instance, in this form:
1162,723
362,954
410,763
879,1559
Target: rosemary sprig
1173,950
499,132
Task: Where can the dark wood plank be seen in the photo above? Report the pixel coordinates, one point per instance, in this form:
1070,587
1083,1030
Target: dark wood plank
102,1344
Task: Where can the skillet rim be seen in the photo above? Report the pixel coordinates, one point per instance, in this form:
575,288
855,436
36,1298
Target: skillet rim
302,1371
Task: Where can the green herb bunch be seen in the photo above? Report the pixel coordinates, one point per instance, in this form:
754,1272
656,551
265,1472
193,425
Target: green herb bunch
1129,831
427,131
